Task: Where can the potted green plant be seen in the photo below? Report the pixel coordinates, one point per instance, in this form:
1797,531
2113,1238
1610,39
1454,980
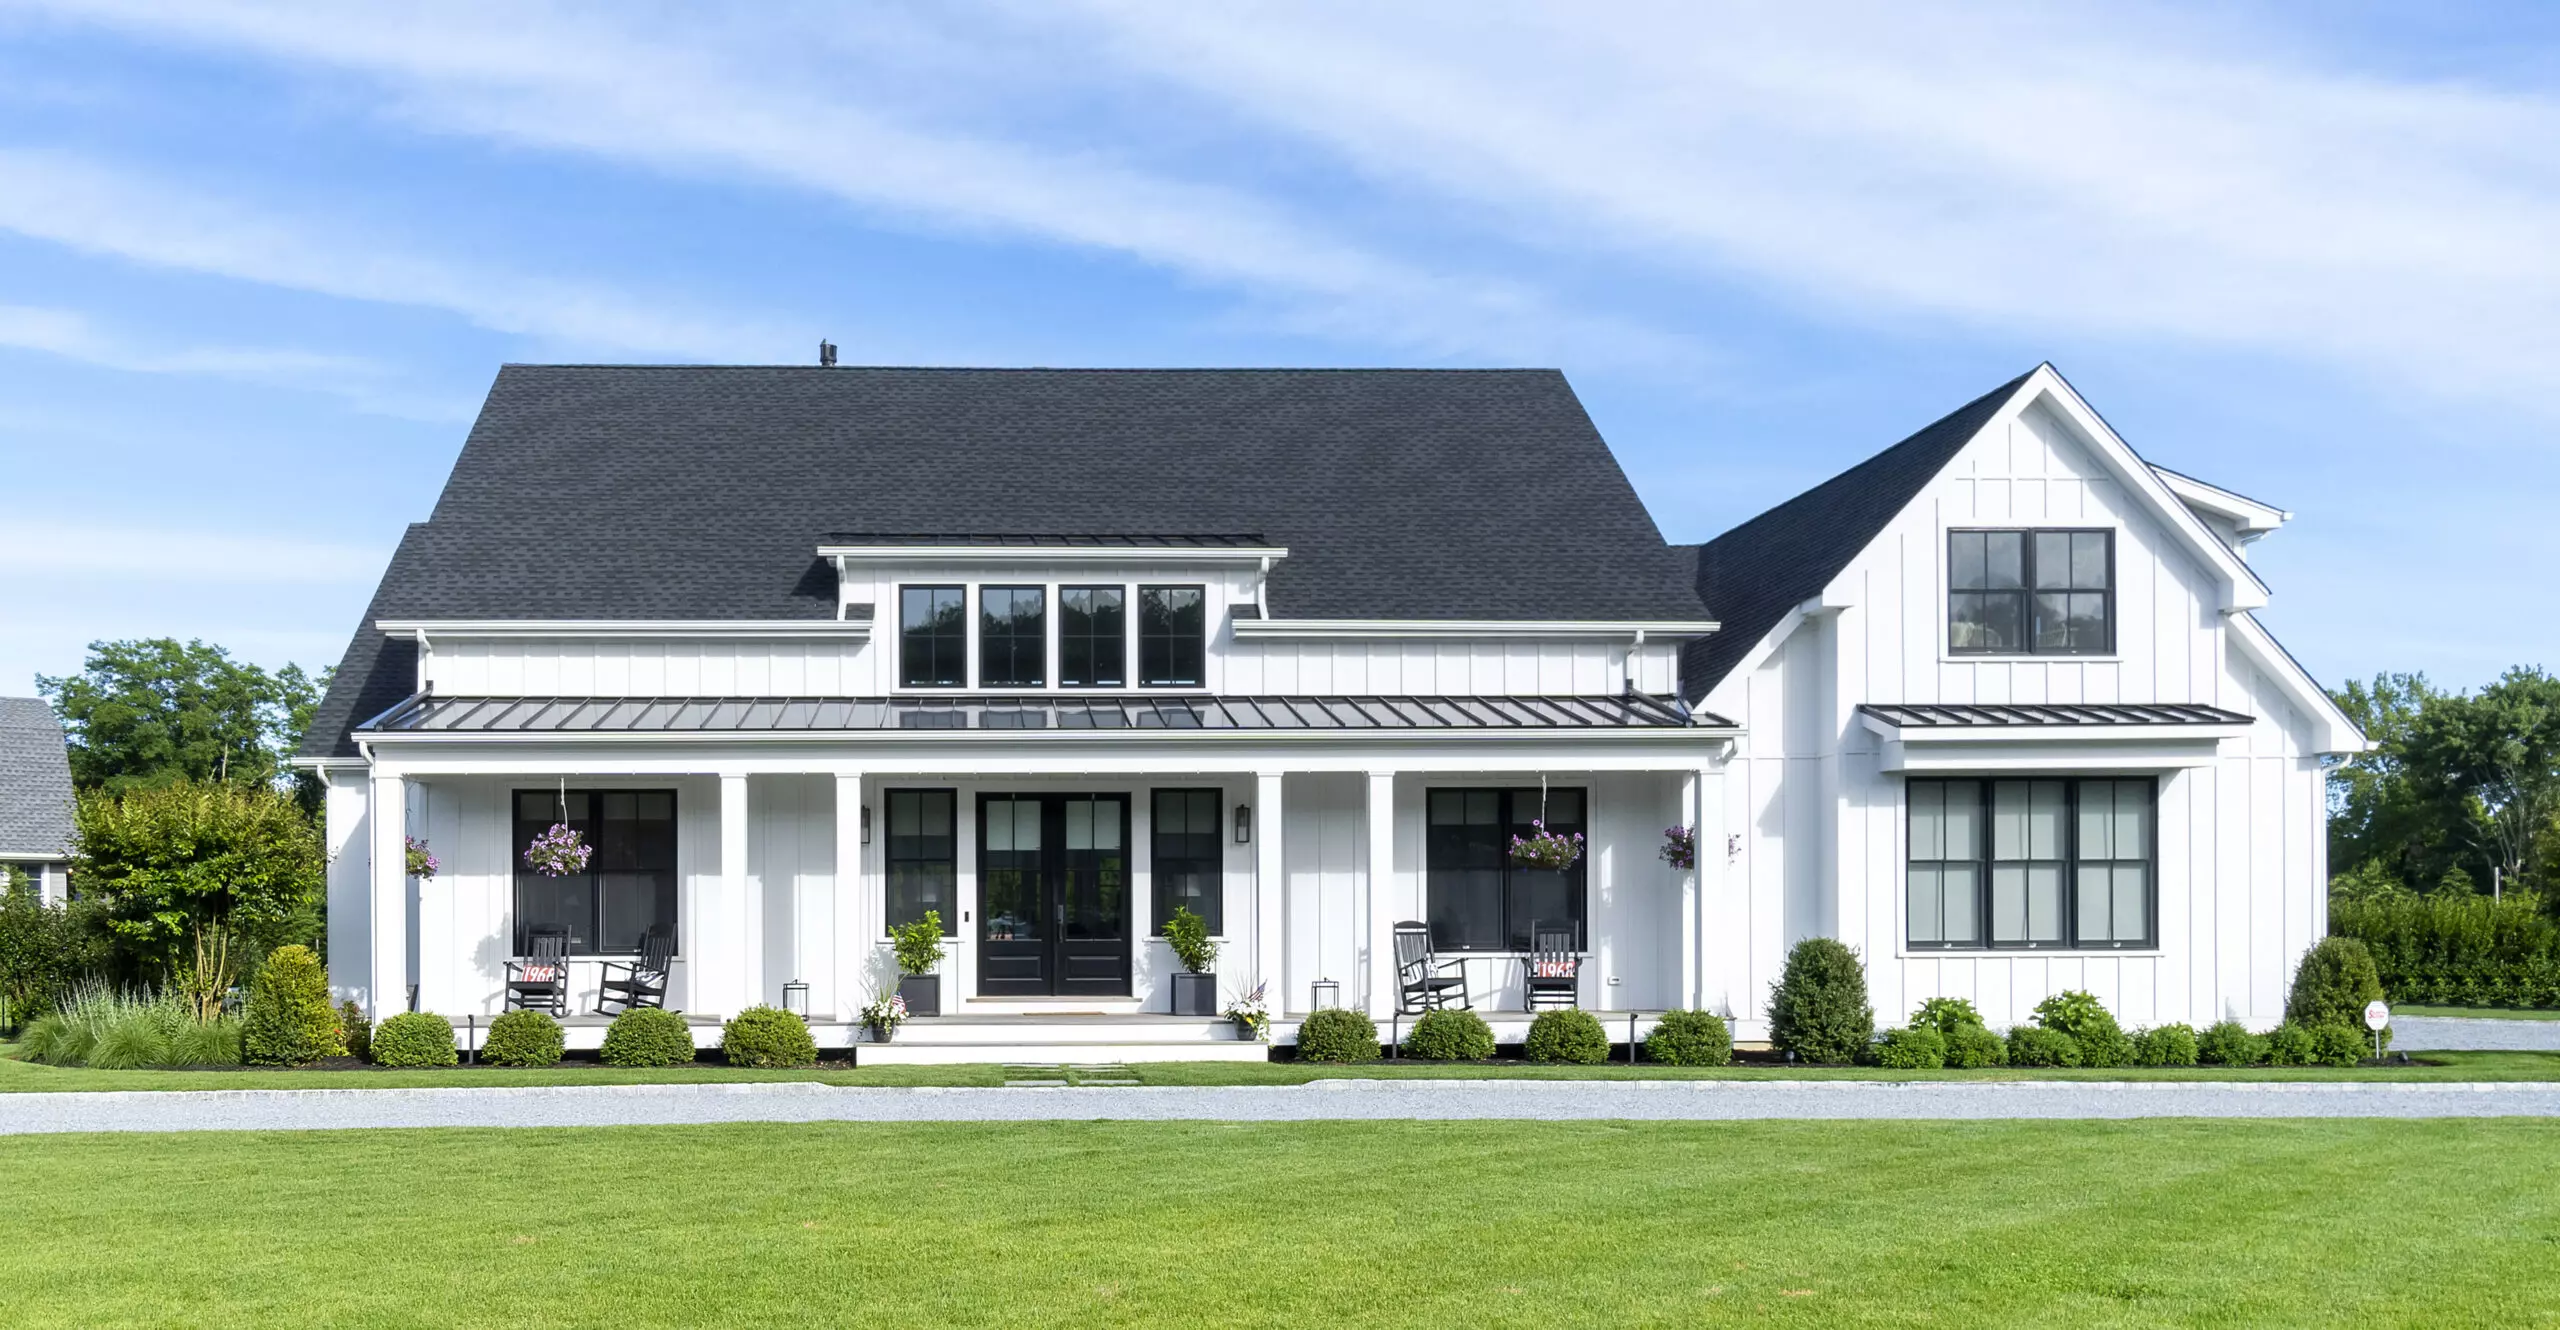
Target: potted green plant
883,1016
1251,1015
1195,991
919,947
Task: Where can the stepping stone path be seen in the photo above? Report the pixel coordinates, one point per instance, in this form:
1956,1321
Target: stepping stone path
1052,1076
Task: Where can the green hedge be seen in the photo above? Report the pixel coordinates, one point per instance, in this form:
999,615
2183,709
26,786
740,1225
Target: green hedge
1569,1035
1449,1036
415,1039
646,1037
1689,1039
768,1037
2460,951
1337,1035
523,1039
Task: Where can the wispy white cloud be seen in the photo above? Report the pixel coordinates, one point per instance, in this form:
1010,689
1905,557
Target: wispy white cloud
33,547
72,335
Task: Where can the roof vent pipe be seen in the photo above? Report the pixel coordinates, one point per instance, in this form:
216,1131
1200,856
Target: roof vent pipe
826,353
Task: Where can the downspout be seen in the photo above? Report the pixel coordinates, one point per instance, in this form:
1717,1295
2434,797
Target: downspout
1261,585
1632,649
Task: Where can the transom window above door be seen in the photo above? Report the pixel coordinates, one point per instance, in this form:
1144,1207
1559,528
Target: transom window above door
2031,593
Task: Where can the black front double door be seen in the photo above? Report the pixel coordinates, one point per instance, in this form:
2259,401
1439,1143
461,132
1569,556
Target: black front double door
1053,894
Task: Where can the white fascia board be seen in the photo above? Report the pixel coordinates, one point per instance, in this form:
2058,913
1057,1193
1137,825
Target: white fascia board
326,763
2335,733
2138,476
1471,628
2249,515
430,629
2089,758
55,856
1056,553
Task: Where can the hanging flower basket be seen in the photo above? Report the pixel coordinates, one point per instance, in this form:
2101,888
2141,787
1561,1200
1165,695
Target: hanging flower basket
1546,849
1680,847
421,862
558,852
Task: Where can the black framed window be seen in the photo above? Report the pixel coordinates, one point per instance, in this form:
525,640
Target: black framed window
922,856
1173,635
1478,899
1013,636
2031,593
1188,856
2033,863
933,636
629,885
1093,636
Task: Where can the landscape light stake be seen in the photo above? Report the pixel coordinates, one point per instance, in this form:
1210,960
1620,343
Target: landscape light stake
1631,1039
471,1040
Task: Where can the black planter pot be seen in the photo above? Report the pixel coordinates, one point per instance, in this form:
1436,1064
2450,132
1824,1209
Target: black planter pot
881,1034
1195,994
923,993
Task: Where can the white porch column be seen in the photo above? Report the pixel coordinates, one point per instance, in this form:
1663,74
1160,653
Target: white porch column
1382,875
389,813
1721,915
1270,882
1692,886
734,980
852,964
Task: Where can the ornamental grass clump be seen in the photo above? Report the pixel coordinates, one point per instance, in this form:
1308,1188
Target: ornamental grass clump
2165,1046
1337,1035
100,1027
647,1037
415,1039
290,1021
1449,1035
1568,1035
768,1037
1818,1008
2229,1044
2090,1025
1912,1048
523,1039
1689,1039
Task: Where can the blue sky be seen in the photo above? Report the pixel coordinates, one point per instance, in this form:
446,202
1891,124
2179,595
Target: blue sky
259,262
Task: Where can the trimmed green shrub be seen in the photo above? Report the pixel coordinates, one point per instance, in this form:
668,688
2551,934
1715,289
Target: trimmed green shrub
1972,1047
1449,1035
2339,1046
647,1037
1946,1015
415,1039
768,1037
2332,985
2036,1046
2289,1045
1912,1048
523,1039
2090,1025
1188,934
2229,1044
1337,1035
1689,1039
2165,1046
355,1030
1818,1008
2457,950
1567,1035
290,1021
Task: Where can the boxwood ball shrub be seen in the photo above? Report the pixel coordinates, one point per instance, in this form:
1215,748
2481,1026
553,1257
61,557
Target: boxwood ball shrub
2339,1046
2036,1046
1689,1039
415,1039
768,1037
2289,1045
1912,1048
1818,1008
2332,985
1337,1035
1973,1047
2090,1025
290,1021
1449,1036
2166,1046
2229,1044
523,1039
1567,1035
646,1037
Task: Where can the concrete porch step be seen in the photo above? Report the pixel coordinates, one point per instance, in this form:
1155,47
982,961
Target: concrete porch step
901,1052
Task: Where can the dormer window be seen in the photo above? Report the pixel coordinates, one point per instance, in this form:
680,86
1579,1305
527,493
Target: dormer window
1013,636
1172,636
933,636
2031,593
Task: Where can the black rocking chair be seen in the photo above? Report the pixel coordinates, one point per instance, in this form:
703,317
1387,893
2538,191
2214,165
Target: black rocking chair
1424,982
539,979
642,980
1555,968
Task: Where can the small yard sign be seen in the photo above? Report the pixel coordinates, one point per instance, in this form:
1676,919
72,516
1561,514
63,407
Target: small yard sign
2376,1015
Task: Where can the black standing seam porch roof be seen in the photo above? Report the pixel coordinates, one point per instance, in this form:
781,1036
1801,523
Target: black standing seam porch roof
1996,715
764,715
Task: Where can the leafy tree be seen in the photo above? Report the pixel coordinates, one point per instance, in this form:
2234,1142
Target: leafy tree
2379,825
154,711
2495,756
168,864
44,950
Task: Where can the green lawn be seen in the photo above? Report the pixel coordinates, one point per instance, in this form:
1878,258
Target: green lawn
20,1076
1330,1224
2483,1013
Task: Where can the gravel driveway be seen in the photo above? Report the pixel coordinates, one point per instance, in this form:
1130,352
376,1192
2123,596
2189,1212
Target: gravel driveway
1334,1100
2450,1032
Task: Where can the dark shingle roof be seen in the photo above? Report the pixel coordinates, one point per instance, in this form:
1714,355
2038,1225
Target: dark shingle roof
35,780
679,492
1759,570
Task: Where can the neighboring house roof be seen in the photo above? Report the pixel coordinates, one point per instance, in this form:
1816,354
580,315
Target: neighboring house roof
35,782
702,492
1755,573
663,715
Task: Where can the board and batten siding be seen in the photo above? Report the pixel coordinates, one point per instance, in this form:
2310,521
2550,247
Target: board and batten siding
2241,871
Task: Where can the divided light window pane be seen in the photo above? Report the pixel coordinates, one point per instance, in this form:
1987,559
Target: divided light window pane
922,856
933,636
1172,635
1093,637
629,885
2047,593
1013,636
1187,856
2061,863
1477,899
